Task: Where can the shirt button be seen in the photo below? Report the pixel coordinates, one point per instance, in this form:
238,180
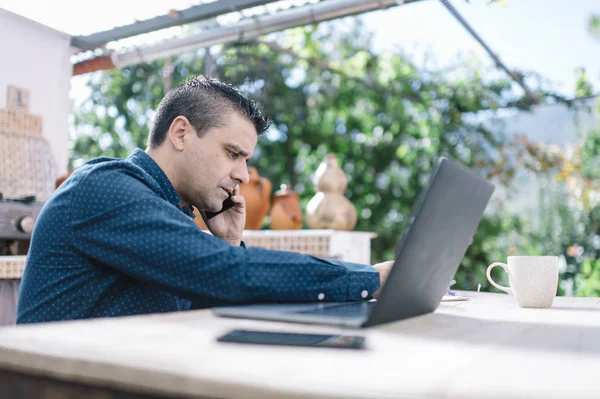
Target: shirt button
321,296
364,293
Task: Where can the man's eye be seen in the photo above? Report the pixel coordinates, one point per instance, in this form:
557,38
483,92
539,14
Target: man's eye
232,154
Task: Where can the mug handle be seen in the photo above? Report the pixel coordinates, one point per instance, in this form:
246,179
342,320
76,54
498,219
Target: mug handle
489,276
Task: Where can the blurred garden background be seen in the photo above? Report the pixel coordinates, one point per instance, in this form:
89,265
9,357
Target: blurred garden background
388,115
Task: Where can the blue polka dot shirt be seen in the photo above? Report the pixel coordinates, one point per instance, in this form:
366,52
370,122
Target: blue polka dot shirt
113,241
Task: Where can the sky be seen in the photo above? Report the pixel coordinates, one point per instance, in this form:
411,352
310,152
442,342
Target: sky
546,36
549,37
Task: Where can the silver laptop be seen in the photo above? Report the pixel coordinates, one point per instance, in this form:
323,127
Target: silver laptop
442,226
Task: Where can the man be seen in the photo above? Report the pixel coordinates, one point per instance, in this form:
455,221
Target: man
117,238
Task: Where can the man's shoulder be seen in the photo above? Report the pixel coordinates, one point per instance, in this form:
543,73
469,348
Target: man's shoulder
109,172
110,180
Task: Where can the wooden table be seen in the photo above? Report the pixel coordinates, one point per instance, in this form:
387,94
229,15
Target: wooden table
483,348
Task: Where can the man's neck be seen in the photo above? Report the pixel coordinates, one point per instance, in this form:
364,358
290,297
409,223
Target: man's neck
167,167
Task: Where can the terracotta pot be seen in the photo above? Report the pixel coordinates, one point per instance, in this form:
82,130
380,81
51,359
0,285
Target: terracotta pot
62,178
257,194
198,220
286,213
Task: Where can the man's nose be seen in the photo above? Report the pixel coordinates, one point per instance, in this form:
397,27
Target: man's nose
241,174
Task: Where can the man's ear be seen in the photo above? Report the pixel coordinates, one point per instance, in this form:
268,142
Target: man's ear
177,131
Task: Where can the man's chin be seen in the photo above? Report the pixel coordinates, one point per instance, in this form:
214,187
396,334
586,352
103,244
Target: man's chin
216,207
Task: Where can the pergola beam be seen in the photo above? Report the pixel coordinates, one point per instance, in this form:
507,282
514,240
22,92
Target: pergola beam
246,29
174,18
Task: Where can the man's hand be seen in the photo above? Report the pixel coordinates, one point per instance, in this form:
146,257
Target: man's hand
384,271
229,225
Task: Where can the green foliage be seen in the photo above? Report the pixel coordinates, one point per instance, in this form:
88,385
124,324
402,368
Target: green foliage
114,120
583,87
569,206
570,217
590,155
385,118
594,25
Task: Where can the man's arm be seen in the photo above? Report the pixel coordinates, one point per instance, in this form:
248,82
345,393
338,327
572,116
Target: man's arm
150,240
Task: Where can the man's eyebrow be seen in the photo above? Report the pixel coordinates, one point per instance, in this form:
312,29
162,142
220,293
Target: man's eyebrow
238,150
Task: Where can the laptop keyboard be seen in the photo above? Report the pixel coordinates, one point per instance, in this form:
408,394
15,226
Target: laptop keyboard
344,309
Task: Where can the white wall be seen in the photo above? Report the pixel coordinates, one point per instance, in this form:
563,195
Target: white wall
37,58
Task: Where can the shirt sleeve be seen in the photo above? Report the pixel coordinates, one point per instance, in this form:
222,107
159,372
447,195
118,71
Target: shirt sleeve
149,239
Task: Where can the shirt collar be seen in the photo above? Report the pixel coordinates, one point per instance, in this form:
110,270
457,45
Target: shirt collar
144,161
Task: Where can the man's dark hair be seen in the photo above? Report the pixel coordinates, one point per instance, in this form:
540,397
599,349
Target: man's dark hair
205,102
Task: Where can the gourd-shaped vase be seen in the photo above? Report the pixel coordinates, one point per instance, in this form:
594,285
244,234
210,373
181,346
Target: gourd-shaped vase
329,209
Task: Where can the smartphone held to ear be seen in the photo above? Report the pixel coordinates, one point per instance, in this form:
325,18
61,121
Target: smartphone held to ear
227,204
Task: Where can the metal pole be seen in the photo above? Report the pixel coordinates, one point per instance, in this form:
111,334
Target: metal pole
173,18
534,99
209,63
252,27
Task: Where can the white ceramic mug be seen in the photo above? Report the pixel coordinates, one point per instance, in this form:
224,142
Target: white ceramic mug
533,279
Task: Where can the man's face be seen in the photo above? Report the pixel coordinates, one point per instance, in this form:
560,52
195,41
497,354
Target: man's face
212,165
